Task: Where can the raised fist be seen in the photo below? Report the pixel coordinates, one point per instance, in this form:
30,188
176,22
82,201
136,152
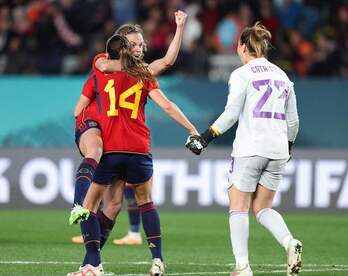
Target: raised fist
180,18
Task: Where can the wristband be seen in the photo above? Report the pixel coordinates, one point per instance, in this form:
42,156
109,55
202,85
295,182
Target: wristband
209,135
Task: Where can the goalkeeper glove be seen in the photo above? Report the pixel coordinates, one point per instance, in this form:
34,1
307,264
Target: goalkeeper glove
196,144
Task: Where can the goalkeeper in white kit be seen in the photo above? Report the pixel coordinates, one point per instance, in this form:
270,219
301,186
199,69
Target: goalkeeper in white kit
263,101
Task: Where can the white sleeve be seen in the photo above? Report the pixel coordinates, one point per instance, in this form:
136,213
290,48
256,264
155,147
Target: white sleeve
291,115
237,87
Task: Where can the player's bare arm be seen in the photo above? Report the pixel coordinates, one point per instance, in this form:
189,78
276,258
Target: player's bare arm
101,64
160,65
81,104
172,110
86,97
106,65
156,67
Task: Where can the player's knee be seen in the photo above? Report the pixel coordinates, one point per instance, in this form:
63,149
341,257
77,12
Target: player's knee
143,194
95,152
143,199
240,206
257,210
258,206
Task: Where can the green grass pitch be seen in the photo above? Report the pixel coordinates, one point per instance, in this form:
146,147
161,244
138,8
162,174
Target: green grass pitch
37,242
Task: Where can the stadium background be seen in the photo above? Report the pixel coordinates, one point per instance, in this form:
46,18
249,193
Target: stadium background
46,49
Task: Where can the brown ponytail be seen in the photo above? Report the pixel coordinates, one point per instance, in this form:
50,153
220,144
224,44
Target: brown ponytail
133,66
256,39
118,47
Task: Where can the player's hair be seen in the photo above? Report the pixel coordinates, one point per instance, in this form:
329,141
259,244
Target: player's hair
114,45
118,47
128,28
257,39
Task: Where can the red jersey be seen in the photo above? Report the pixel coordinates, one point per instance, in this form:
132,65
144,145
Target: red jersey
119,109
89,90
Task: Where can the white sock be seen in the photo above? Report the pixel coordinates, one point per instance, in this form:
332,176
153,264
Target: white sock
239,229
275,223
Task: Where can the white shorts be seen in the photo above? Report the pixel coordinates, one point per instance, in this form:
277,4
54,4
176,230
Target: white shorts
246,172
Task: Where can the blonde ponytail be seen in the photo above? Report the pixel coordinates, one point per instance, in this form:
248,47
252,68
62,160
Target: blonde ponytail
257,39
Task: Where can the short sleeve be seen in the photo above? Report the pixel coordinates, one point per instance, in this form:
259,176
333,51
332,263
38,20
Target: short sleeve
100,55
88,88
153,84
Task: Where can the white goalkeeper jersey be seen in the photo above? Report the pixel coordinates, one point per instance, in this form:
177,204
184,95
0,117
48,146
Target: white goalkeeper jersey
262,99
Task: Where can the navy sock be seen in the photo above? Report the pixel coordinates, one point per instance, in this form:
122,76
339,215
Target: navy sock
133,209
84,177
91,235
152,228
106,226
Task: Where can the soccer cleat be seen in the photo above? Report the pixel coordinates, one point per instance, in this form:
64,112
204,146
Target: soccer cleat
294,257
109,273
88,270
242,271
157,268
101,269
78,213
77,239
132,238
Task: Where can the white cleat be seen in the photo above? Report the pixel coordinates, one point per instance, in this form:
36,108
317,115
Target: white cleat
157,268
88,270
105,273
132,238
242,271
294,257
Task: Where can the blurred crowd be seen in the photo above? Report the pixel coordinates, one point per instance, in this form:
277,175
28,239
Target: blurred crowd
310,37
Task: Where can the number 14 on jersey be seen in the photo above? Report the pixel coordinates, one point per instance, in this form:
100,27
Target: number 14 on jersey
134,106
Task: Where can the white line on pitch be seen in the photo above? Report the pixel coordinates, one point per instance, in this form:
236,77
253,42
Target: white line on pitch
324,268
333,266
227,272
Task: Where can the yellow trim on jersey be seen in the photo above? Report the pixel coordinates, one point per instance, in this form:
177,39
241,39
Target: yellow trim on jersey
215,131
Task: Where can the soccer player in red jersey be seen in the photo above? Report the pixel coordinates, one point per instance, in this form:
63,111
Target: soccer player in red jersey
91,144
122,96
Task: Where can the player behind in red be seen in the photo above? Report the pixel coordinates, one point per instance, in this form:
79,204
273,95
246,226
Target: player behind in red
122,96
91,144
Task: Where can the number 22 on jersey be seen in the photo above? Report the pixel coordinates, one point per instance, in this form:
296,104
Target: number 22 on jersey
258,111
135,89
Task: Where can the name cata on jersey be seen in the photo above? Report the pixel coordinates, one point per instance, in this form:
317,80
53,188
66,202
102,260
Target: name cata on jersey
190,183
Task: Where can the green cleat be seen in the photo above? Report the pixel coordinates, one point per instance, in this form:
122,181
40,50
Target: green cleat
77,214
